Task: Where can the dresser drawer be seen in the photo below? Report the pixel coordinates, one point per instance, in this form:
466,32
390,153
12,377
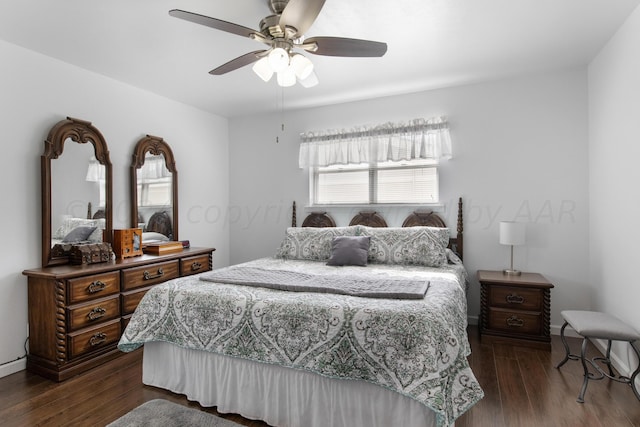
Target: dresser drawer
194,264
515,298
131,299
149,274
515,322
94,286
87,340
93,312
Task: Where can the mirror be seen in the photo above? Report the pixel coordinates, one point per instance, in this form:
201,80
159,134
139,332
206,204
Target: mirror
76,188
154,190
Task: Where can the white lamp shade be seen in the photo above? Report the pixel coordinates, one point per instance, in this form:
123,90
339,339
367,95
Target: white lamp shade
287,77
302,66
263,69
512,233
310,81
278,59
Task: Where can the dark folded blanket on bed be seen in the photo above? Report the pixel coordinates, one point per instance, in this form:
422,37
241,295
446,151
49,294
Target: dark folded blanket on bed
371,287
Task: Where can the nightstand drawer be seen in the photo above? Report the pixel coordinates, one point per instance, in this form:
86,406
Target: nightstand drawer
92,339
149,274
514,322
515,298
194,264
81,316
94,286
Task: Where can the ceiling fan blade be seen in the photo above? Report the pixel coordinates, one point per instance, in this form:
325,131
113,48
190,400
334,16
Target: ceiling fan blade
218,24
241,61
340,46
301,14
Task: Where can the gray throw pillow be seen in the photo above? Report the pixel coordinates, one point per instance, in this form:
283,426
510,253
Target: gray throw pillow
349,250
78,234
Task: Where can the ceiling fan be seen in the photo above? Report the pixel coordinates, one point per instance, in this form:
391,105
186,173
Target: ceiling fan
283,32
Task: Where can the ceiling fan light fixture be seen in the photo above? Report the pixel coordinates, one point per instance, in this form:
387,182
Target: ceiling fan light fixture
263,69
310,81
282,32
278,59
287,77
302,66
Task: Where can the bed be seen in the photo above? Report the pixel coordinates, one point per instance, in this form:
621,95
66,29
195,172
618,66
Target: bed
296,341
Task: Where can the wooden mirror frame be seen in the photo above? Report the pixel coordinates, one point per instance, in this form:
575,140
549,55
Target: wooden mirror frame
156,146
82,132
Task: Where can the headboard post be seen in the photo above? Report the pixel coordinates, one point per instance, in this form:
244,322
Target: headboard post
293,215
459,228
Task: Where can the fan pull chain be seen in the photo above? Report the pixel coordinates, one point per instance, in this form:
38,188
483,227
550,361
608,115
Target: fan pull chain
281,113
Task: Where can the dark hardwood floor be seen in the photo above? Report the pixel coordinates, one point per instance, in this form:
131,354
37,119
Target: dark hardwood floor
522,388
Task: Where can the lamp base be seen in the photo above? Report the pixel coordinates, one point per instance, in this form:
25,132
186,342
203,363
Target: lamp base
510,272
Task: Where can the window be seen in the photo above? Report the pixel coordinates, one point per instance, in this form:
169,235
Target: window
155,192
412,181
392,163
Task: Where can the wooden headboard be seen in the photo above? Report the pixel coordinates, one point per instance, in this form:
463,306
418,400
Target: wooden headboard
373,219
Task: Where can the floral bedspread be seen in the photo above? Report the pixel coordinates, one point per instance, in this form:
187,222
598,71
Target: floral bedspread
418,348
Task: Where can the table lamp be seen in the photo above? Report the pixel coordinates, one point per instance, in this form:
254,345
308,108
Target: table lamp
512,233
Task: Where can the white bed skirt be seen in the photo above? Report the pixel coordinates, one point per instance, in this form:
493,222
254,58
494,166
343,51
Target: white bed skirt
279,396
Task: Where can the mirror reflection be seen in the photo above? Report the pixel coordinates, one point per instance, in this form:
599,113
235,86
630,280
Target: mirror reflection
154,186
154,190
78,188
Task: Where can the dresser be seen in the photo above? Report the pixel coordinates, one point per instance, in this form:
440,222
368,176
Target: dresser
515,308
78,312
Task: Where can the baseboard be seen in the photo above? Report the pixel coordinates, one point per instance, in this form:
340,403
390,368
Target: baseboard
621,366
13,367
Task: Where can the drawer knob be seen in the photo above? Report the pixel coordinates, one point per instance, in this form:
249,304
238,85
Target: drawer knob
196,266
515,322
98,339
514,299
96,313
96,286
148,276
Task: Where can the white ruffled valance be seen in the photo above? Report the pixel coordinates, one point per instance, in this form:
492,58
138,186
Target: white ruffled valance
154,168
419,139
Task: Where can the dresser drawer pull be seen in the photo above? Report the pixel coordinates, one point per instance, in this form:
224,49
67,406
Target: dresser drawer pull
96,313
196,266
148,276
98,339
96,286
514,299
515,322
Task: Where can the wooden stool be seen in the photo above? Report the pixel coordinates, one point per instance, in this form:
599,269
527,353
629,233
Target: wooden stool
593,324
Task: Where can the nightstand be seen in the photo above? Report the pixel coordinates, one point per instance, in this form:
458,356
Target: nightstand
515,308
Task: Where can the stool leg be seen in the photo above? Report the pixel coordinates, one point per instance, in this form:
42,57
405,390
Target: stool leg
608,360
586,371
566,346
636,372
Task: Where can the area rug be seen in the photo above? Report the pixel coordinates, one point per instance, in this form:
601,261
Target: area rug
162,413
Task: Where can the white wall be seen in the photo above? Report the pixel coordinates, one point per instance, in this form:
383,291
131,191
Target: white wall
37,92
614,153
520,150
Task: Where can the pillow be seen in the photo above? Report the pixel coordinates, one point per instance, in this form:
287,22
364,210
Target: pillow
311,243
69,224
96,236
407,245
349,250
152,235
453,257
78,234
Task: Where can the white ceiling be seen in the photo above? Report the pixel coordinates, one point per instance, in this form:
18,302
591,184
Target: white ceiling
431,44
